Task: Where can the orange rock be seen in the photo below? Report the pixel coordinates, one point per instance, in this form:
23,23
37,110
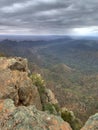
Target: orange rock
15,83
22,118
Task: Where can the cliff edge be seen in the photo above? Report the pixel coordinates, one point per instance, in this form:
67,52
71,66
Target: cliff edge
20,101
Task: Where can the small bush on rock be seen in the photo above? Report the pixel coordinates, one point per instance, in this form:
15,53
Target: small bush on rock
69,117
37,80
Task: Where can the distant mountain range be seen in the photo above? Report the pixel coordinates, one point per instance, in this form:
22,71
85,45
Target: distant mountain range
78,54
45,37
32,37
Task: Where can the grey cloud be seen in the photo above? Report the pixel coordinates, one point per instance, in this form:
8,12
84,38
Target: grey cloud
50,16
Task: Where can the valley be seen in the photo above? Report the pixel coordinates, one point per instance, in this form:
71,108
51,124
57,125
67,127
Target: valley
69,66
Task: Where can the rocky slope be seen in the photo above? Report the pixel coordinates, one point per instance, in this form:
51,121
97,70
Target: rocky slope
20,99
92,123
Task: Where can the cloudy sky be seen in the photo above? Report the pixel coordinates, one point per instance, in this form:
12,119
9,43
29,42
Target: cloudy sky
49,17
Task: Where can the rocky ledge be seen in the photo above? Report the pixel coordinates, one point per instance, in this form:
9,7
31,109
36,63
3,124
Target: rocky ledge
20,101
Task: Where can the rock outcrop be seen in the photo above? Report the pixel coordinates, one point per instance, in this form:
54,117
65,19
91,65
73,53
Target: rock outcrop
92,123
28,118
50,97
16,84
20,99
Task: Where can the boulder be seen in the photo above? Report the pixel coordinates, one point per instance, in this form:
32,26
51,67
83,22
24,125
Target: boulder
50,97
92,123
16,84
28,118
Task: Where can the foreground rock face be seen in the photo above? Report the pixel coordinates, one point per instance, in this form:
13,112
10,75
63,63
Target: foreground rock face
19,99
92,123
28,118
15,83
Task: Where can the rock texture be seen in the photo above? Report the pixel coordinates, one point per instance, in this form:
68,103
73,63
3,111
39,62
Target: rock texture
16,84
19,99
92,123
50,97
28,118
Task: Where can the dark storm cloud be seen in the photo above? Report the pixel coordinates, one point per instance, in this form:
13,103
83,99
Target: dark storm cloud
47,16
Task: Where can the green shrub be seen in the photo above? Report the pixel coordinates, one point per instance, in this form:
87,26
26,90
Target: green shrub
37,80
40,83
50,108
69,117
57,108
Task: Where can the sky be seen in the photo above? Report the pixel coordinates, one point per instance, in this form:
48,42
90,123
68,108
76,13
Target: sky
27,17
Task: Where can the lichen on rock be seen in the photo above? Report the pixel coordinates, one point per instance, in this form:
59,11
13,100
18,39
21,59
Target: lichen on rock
28,118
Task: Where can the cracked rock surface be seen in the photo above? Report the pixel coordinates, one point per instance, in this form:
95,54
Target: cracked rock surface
16,84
